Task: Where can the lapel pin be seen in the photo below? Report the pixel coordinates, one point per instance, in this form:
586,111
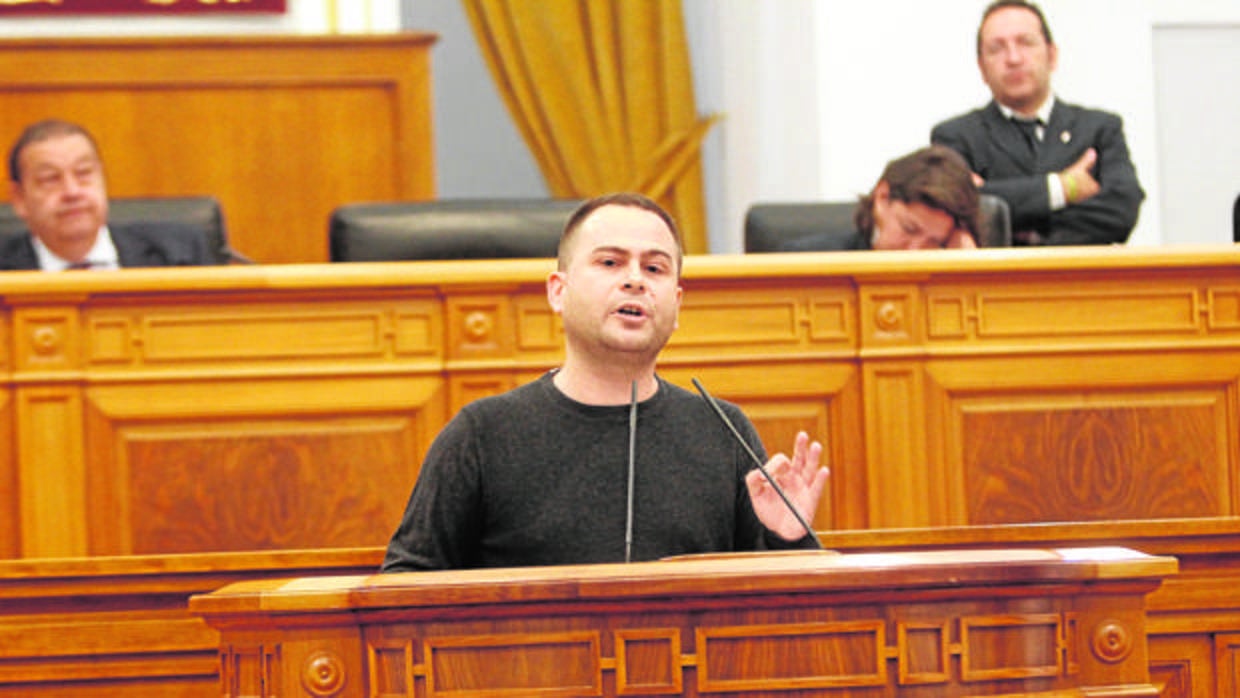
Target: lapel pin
1065,136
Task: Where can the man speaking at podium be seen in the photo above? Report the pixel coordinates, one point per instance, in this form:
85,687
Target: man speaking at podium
602,460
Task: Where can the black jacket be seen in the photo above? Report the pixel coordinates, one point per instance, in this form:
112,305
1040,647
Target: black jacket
137,245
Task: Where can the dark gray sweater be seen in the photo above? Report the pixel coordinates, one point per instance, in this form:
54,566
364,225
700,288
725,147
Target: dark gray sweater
531,477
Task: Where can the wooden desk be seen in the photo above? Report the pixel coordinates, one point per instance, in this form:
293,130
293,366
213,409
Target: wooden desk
106,627
958,623
1192,620
289,406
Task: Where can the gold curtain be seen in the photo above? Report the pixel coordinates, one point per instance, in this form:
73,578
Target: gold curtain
601,91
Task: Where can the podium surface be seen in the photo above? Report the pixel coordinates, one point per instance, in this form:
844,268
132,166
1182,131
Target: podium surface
1048,622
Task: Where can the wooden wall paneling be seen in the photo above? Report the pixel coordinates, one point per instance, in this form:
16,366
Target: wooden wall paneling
909,364
905,489
493,338
1182,666
104,627
256,464
785,354
480,326
781,400
1093,437
1227,663
280,129
1191,619
213,429
51,472
464,388
10,530
764,319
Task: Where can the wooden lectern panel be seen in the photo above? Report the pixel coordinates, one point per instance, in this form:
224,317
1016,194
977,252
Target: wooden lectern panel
953,624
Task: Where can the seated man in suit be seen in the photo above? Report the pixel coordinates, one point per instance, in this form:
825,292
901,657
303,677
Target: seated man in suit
57,187
1064,170
925,200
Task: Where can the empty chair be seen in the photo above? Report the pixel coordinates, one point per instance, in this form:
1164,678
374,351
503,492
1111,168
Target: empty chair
192,215
448,229
772,227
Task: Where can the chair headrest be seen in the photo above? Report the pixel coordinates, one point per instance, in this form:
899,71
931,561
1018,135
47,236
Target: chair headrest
448,229
773,227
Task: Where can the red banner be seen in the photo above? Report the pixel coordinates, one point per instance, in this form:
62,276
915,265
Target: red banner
148,7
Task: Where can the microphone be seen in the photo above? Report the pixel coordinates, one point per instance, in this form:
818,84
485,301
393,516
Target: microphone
628,522
758,461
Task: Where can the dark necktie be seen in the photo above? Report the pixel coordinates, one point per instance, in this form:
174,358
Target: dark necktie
1029,129
79,266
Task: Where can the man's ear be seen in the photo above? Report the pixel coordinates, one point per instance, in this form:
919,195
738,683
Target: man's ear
1052,57
555,291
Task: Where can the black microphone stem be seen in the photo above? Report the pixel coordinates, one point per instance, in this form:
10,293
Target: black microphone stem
758,461
628,524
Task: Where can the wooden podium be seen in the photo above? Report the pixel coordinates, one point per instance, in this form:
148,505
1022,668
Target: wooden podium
1045,622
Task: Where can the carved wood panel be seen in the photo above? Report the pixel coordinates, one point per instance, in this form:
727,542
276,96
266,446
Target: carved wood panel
951,649
263,485
234,466
819,399
51,481
9,515
1227,663
1182,666
1051,458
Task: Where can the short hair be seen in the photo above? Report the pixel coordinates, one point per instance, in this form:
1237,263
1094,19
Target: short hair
1020,4
41,131
627,199
936,176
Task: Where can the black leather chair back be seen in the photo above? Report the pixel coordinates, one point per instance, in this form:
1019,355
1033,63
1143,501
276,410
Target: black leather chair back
1235,220
448,229
771,227
202,213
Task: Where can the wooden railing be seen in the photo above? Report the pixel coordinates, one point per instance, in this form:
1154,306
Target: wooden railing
283,407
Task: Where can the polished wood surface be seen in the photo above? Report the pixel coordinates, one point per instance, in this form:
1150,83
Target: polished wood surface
955,623
288,406
1192,619
282,129
105,627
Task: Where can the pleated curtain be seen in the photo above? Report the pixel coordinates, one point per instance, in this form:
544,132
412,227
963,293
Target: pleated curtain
602,92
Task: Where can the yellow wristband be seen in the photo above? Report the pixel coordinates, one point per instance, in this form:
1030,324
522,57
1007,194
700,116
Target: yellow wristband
1069,186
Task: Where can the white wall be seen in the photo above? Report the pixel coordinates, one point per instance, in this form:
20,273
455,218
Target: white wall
885,71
